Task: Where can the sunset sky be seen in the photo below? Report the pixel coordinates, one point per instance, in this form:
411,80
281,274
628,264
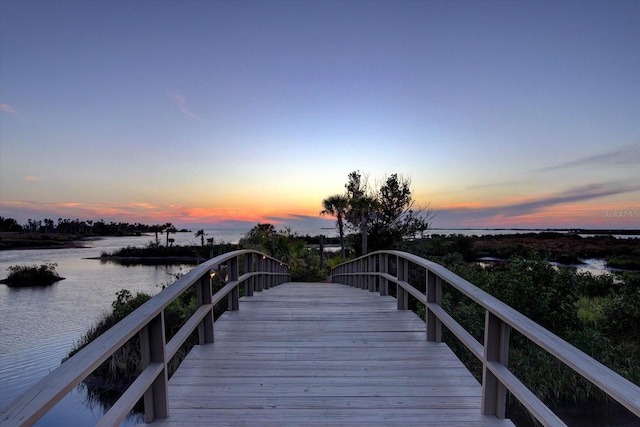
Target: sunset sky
221,113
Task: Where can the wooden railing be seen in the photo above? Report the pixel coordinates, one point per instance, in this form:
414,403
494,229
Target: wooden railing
258,272
372,272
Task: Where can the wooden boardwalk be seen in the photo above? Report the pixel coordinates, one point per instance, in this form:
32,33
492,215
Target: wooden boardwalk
319,354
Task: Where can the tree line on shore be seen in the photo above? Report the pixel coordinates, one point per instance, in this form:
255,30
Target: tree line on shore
83,227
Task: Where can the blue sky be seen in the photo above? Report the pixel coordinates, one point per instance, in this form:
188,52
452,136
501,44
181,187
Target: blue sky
503,114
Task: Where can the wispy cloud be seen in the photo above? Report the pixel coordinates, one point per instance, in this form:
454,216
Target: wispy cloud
577,194
6,108
524,211
32,178
180,101
624,156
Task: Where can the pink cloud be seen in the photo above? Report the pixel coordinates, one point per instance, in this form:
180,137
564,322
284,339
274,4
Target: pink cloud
8,109
182,106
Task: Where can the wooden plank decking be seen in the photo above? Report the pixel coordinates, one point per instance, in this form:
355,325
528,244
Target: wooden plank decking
318,354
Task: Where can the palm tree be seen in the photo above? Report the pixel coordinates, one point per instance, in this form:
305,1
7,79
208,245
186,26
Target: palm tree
169,228
336,205
157,228
362,211
201,234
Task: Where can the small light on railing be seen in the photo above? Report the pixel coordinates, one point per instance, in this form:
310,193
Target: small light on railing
212,273
264,257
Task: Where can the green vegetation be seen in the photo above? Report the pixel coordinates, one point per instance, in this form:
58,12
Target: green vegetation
32,275
624,262
287,246
153,253
564,248
119,370
598,314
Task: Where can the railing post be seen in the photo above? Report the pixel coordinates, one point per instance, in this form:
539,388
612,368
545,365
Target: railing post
277,267
496,349
283,274
365,276
234,295
356,274
270,276
203,296
261,269
434,296
401,294
249,283
372,278
152,350
384,268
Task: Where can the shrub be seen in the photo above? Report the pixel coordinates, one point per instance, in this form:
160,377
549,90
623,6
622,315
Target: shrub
622,311
32,275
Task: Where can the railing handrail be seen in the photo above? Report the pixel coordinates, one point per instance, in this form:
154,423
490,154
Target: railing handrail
494,361
32,404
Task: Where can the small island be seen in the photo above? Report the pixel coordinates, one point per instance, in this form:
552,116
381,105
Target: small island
21,276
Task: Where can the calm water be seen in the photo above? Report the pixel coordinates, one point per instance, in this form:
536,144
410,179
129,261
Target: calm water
38,326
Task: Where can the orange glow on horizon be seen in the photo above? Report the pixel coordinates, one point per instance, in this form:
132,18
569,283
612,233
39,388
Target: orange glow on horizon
453,215
147,213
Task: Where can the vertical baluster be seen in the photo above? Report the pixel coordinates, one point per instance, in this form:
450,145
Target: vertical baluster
434,296
270,269
250,282
260,263
203,296
384,268
401,293
234,295
372,278
496,349
267,268
152,349
355,277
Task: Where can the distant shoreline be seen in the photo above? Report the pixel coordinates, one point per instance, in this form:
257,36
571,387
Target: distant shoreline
625,232
18,240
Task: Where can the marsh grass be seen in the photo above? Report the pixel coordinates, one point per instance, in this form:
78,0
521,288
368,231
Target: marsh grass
590,311
624,262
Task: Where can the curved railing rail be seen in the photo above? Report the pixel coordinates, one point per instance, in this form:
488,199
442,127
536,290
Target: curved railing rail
258,272
372,272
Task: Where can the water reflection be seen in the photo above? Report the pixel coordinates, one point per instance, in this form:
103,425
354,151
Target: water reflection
39,325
